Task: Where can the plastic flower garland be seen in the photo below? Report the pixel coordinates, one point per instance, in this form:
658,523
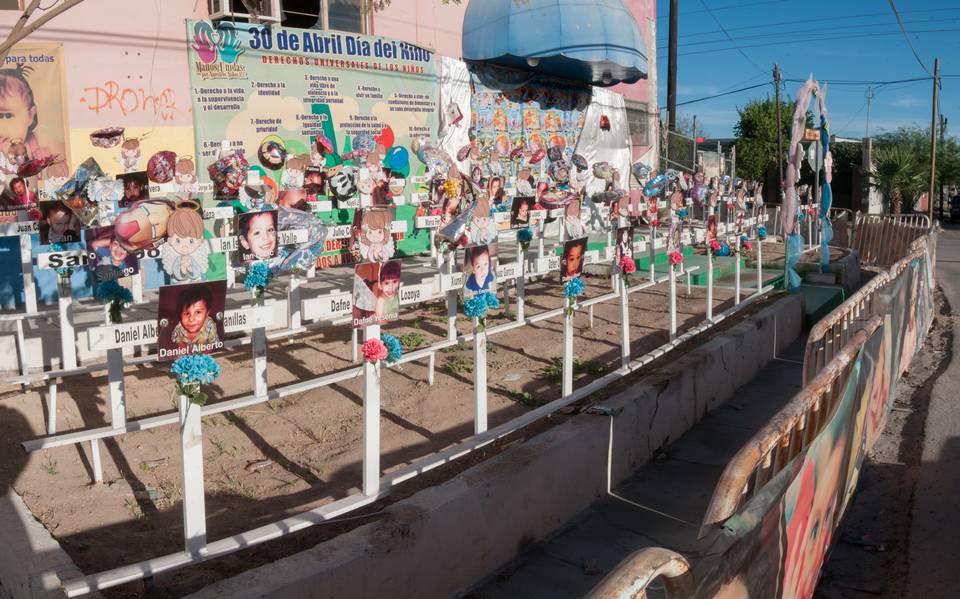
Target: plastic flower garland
675,258
113,292
627,267
374,350
572,290
761,233
525,236
191,372
257,279
394,348
477,306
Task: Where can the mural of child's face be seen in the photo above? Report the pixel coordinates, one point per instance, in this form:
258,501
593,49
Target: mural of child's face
183,245
15,116
117,254
261,238
389,286
193,317
481,266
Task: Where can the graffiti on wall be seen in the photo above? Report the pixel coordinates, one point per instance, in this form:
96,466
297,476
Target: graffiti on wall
123,100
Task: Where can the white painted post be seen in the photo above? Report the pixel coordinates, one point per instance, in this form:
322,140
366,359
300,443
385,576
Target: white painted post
26,265
354,346
371,419
479,379
118,395
136,287
567,389
709,284
652,252
52,407
293,302
95,462
259,344
759,265
521,281
506,298
433,245
673,302
231,276
68,346
191,451
451,304
809,231
431,367
736,274
624,326
540,232
22,353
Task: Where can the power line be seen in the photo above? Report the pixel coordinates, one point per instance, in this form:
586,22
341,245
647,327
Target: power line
731,6
831,19
862,82
808,39
893,7
729,37
850,29
735,91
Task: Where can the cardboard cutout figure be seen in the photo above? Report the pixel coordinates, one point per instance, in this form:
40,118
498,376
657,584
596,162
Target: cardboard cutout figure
184,255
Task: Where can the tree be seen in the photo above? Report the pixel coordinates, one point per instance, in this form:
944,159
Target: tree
897,174
756,134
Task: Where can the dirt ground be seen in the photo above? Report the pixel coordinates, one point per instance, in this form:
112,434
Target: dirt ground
277,459
870,554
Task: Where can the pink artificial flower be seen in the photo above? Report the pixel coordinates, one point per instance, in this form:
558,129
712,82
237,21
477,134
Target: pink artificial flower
435,212
676,258
747,246
627,265
374,350
715,245
654,223
538,206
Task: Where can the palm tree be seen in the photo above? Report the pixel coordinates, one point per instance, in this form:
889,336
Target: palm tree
896,174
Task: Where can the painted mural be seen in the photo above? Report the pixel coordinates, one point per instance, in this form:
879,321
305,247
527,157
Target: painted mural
783,535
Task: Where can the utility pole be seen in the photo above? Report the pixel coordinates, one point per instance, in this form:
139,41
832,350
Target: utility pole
866,133
943,133
933,136
693,157
776,83
672,70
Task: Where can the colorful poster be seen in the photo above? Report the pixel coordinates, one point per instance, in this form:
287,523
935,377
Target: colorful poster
32,96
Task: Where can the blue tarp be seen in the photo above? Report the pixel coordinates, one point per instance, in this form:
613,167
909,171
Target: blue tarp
593,41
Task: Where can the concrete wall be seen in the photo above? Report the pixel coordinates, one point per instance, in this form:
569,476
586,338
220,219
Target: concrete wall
443,539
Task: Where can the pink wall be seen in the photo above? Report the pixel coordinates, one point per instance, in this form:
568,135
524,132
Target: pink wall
426,23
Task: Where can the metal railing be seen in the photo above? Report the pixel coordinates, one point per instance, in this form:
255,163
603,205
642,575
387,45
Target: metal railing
883,239
787,434
632,576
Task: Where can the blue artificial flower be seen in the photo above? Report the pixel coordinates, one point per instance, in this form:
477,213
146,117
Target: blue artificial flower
525,235
196,368
394,348
258,276
476,306
682,213
724,249
762,232
111,291
743,238
573,288
492,301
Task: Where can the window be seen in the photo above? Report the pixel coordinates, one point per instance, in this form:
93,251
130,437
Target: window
638,119
342,15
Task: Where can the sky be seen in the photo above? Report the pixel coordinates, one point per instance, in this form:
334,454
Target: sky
727,45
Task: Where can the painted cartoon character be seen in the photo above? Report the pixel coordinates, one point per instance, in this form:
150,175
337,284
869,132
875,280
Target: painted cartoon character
481,229
184,256
293,172
143,224
54,177
130,155
374,241
186,175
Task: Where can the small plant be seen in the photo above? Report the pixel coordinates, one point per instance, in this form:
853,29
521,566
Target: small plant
457,365
133,507
50,467
521,397
454,348
417,323
411,341
553,372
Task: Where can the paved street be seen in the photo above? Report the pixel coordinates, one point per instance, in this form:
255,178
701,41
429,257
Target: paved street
935,532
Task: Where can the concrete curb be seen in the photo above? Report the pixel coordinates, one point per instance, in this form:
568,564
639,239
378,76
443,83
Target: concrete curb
32,564
444,539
